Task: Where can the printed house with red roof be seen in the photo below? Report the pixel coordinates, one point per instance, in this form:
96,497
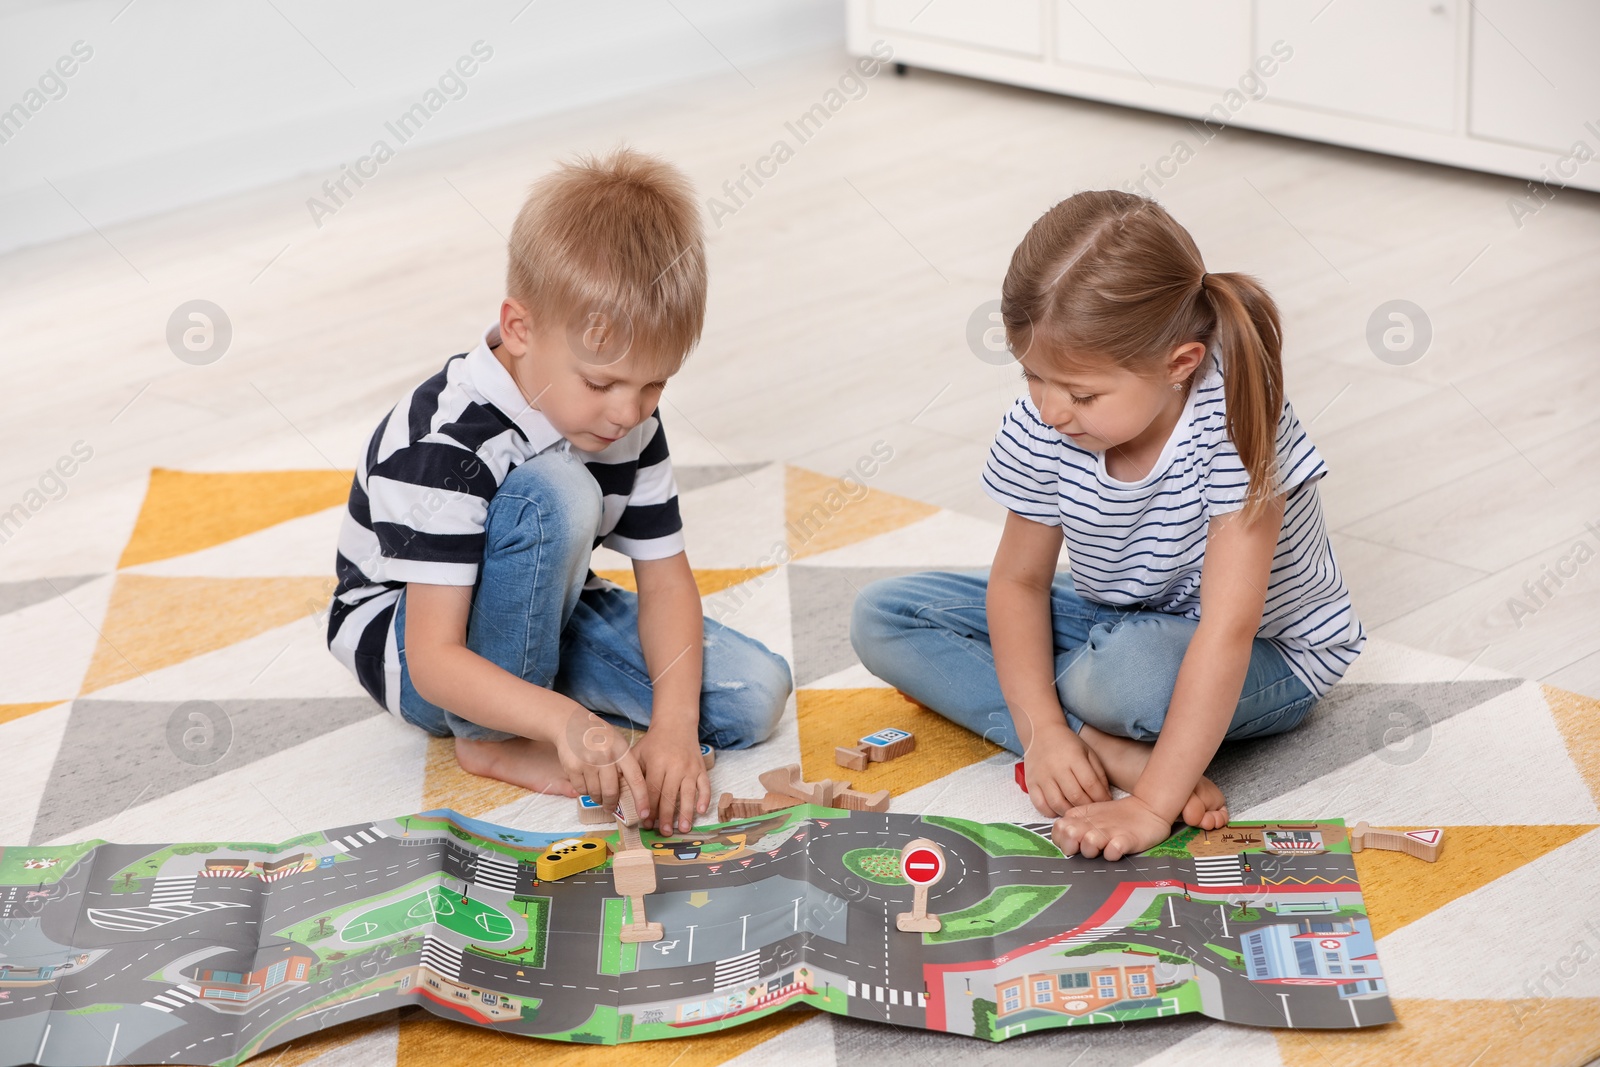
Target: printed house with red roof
1098,982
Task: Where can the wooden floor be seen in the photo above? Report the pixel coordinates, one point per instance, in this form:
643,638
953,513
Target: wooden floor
840,296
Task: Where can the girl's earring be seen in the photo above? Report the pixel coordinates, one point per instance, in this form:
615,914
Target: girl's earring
1177,385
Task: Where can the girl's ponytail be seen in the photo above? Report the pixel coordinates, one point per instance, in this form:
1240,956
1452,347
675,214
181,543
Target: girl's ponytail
1111,274
1251,338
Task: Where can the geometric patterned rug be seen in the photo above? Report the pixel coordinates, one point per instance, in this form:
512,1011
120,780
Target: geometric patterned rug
203,606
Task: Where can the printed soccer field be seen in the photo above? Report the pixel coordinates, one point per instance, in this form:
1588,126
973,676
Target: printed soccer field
471,918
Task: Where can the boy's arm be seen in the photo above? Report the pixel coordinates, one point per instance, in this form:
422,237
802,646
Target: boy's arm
449,674
671,633
1060,769
1233,592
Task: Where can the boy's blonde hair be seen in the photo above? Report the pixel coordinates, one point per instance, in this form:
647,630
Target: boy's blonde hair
1111,276
618,237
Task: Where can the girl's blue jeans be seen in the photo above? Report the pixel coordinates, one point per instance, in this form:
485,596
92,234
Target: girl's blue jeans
532,616
927,635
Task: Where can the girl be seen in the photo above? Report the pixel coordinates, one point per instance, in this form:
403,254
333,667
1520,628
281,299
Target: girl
1203,605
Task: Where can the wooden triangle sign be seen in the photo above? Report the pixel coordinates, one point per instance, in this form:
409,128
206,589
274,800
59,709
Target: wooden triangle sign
1427,837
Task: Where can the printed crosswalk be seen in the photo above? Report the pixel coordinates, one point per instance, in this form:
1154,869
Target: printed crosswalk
138,920
171,999
497,872
737,970
895,998
357,839
442,957
1093,934
1217,871
172,890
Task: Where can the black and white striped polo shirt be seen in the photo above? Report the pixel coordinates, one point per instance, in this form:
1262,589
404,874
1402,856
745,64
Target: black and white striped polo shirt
421,494
1143,543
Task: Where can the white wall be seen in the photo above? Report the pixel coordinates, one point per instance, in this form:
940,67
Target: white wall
170,102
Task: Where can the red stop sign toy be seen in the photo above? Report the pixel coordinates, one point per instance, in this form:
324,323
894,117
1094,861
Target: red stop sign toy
921,864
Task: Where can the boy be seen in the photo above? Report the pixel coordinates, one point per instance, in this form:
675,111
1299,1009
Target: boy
465,603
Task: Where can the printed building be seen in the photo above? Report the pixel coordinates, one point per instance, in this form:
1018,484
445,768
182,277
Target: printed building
481,1004
1295,842
1102,980
753,997
1336,952
235,991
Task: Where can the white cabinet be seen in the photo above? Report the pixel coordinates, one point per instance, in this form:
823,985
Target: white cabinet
1393,60
1157,40
1527,87
1004,25
1506,86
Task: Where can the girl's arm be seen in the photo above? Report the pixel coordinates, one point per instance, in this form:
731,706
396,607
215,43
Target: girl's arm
1060,769
1233,584
1233,592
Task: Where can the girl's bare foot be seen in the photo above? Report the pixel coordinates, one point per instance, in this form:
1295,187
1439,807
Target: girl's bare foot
1124,760
521,761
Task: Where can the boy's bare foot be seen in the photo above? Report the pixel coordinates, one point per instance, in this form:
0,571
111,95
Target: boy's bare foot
521,761
1124,760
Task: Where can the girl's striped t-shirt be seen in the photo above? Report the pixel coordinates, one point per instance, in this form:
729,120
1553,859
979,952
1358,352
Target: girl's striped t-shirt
1141,544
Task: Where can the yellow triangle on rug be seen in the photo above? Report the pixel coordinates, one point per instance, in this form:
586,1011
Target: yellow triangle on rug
1550,1031
154,622
1399,889
829,718
185,511
822,513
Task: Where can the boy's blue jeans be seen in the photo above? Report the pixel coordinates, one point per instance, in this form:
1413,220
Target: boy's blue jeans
927,635
532,616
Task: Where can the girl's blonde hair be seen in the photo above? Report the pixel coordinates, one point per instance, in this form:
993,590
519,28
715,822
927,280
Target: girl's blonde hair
1110,276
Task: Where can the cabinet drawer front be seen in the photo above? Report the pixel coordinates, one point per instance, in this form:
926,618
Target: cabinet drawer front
1003,25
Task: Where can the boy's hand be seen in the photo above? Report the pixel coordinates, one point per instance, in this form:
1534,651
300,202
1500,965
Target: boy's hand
597,760
1062,772
1112,828
676,777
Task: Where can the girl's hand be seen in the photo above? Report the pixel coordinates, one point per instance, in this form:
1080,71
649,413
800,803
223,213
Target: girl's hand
1113,829
1062,772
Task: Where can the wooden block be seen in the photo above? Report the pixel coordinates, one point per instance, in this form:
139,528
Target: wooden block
856,800
591,812
730,807
787,780
637,933
626,812
888,744
1423,844
569,856
708,756
910,923
854,759
634,872
776,802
